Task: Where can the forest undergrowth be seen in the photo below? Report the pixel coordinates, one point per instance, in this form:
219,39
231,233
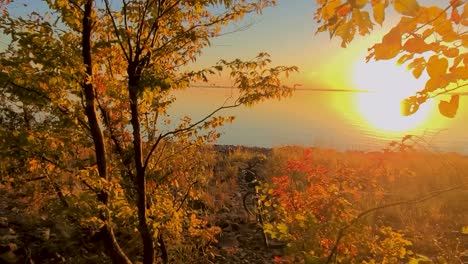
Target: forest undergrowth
404,204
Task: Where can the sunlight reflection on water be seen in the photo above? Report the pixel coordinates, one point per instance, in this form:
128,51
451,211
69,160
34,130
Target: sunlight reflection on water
317,119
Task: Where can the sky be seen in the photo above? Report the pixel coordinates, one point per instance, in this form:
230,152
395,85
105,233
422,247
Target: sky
330,119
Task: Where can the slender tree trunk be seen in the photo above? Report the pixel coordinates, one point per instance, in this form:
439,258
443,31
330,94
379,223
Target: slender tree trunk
145,231
115,252
162,247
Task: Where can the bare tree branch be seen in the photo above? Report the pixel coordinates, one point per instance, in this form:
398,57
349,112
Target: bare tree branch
116,30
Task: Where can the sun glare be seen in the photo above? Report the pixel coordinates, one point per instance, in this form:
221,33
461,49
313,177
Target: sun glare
388,85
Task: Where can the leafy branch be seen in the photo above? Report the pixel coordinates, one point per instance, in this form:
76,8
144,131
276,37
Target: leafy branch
419,199
182,130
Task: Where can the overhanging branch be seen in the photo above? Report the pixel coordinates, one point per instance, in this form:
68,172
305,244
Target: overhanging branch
186,129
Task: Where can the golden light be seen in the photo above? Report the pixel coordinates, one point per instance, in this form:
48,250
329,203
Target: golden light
388,85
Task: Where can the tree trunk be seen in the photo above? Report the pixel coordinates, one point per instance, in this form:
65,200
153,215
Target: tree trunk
145,231
111,244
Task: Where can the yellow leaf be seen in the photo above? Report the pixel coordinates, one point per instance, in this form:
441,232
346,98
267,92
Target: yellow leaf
300,217
360,3
282,228
379,12
329,10
402,252
404,58
346,32
464,230
436,66
409,106
406,7
362,20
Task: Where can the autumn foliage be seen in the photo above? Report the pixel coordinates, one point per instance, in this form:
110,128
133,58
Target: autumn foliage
322,207
85,92
313,201
428,39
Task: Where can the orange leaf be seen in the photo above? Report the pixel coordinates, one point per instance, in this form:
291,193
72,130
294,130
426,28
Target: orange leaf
427,33
418,71
435,83
436,66
449,109
431,14
406,25
455,17
445,29
418,66
390,46
464,39
409,106
344,10
455,3
456,61
379,12
416,45
277,259
460,72
451,52
406,7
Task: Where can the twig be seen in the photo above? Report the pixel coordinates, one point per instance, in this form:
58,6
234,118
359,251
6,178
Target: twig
419,199
185,196
36,179
177,131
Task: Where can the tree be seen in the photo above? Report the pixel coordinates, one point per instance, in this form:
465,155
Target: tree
93,81
427,38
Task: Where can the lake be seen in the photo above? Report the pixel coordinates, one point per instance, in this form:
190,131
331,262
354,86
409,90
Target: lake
323,119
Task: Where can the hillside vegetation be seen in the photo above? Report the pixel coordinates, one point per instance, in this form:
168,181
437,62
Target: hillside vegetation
318,206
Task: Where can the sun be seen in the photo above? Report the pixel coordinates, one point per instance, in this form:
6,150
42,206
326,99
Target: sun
388,85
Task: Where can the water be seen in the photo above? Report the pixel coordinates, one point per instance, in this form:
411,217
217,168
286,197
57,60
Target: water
317,118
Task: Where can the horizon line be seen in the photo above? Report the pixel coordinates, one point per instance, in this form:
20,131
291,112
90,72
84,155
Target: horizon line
298,89
312,89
